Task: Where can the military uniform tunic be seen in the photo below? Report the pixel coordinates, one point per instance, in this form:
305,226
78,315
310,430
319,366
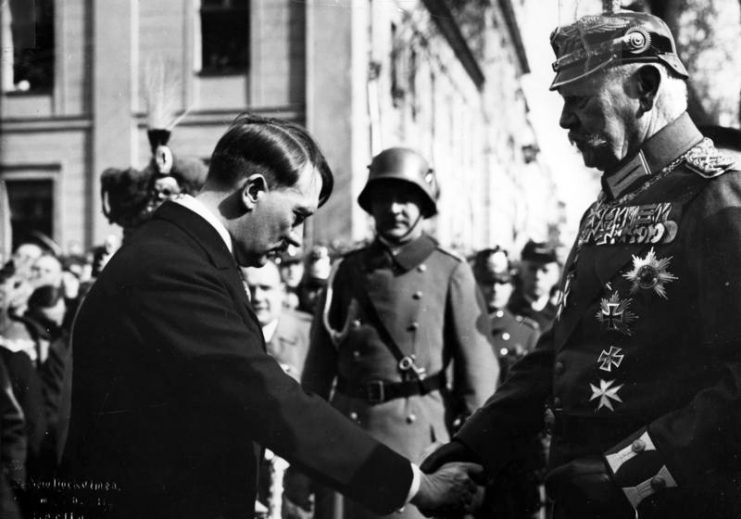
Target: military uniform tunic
426,300
643,364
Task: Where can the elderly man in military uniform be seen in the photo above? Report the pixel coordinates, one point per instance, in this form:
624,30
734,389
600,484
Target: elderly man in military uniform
642,368
395,317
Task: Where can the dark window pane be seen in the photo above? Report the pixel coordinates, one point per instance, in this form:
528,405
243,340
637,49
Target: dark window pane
31,207
33,45
225,38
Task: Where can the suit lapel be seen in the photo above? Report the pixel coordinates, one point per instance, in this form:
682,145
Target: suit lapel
208,240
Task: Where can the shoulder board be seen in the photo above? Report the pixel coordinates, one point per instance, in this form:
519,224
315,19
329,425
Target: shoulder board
705,160
450,252
530,323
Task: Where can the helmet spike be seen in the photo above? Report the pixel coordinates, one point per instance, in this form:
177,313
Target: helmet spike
611,6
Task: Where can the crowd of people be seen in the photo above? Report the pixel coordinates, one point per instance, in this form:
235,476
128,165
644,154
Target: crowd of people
214,369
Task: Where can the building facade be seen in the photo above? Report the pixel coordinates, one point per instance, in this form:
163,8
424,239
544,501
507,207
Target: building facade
362,75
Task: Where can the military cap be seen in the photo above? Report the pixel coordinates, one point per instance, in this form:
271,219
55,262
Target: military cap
491,265
539,251
404,165
597,42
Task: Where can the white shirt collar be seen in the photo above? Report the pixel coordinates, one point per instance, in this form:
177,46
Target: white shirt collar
198,207
269,330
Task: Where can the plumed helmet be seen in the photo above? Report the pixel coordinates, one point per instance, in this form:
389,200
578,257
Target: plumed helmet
404,165
598,42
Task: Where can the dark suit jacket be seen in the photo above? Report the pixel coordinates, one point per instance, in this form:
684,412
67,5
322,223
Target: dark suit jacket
173,390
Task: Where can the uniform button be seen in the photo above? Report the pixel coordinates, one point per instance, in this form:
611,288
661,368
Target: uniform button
559,367
413,326
412,418
556,402
638,446
422,267
503,352
356,354
658,483
356,323
417,295
499,313
353,416
506,336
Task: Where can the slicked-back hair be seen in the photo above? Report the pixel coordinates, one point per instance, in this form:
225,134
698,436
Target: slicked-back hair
278,150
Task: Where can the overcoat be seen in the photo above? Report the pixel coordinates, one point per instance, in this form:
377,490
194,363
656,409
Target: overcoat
643,364
425,300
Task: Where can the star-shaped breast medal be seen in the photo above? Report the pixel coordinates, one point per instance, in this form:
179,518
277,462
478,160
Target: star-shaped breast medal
650,273
606,394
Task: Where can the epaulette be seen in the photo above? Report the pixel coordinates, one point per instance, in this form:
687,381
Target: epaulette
530,323
299,315
705,160
450,252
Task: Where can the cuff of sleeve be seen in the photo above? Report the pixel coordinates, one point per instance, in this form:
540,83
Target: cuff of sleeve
416,482
638,468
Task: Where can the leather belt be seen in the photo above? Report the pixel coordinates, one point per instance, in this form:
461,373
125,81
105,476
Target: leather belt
379,391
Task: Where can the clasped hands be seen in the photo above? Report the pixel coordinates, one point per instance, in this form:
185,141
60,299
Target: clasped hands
449,485
581,488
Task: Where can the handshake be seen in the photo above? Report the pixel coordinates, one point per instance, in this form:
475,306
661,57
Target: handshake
449,487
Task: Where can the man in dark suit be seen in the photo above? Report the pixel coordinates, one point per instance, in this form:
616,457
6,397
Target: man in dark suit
173,393
642,370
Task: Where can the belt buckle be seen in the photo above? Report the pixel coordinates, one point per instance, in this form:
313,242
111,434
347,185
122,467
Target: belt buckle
375,392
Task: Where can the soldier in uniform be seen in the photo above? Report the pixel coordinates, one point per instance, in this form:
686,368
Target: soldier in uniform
513,335
642,368
395,316
537,275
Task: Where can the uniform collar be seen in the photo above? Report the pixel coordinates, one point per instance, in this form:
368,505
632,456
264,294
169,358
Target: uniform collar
657,152
405,258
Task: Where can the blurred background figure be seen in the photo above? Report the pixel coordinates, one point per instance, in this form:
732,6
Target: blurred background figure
513,335
515,494
286,333
317,266
46,271
536,278
103,253
24,257
291,273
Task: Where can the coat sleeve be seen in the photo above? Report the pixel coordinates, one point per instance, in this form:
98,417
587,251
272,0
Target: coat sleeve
515,411
216,346
320,368
468,339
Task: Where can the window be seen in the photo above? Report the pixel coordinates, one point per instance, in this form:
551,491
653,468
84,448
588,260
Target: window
32,39
31,207
225,36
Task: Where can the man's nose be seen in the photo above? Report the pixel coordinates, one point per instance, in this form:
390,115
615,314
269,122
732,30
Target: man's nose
567,120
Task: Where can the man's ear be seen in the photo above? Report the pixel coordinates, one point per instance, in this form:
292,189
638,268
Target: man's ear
254,188
648,79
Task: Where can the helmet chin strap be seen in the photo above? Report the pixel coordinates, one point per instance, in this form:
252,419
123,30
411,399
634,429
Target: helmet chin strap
401,240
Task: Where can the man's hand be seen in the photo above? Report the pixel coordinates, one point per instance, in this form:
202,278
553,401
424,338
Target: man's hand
448,491
450,452
584,488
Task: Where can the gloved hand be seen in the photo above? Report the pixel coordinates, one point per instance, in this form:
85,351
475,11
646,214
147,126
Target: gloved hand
453,451
585,488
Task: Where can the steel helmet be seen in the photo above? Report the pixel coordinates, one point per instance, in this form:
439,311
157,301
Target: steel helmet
404,165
